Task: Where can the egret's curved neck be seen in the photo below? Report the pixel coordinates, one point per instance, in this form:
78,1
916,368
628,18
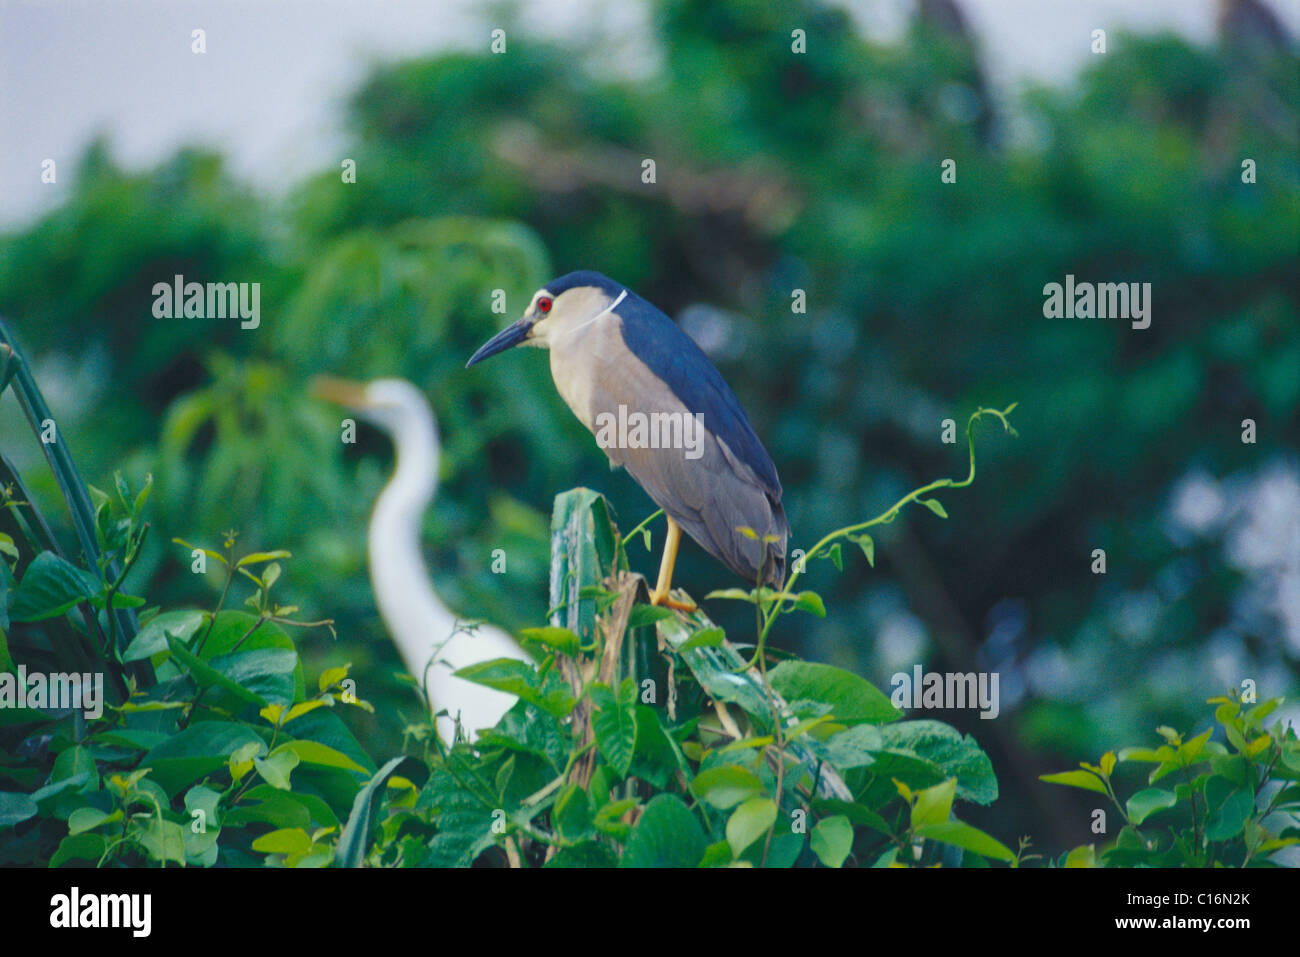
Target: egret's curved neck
414,616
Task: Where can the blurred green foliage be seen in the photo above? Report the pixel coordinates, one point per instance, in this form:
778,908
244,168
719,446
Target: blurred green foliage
775,172
1219,806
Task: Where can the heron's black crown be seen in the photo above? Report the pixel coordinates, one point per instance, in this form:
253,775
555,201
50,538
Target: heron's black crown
583,277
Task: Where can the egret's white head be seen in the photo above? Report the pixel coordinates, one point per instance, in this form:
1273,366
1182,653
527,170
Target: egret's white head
394,405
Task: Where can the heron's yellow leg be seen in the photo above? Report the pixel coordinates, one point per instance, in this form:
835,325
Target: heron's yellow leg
660,595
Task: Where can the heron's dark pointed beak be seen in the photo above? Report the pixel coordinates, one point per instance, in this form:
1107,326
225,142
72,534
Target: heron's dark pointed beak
511,335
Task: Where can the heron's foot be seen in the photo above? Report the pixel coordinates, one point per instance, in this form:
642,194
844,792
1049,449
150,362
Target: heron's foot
662,598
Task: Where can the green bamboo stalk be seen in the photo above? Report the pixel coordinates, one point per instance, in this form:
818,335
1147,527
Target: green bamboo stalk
59,457
31,525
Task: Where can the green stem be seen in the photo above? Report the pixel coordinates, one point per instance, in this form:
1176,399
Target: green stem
648,519
230,577
884,518
261,619
133,554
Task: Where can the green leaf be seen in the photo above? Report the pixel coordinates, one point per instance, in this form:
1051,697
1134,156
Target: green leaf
747,744
1107,763
926,752
1140,754
119,601
267,673
138,505
206,676
704,638
812,602
933,505
215,556
834,554
276,767
658,755
15,808
1191,750
934,804
799,729
1147,802
89,818
1254,718
527,729
561,639
354,840
853,747
73,762
1076,779
256,558
79,847
521,679
239,631
588,854
123,490
852,699
609,819
832,840
207,800
734,594
572,813
313,752
263,804
717,855
868,546
1085,855
325,727
726,786
138,740
241,761
200,749
467,822
642,615
284,841
614,722
50,587
968,838
306,707
856,813
748,822
667,835
780,853
163,840
84,781
1227,817
332,676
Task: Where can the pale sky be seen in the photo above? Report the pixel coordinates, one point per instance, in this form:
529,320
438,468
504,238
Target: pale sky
268,89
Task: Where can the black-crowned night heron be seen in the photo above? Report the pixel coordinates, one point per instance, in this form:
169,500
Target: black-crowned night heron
659,408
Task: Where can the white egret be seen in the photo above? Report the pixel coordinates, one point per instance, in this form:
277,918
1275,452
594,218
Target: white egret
425,631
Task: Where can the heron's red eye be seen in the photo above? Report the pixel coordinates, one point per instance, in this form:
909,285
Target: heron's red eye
544,305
